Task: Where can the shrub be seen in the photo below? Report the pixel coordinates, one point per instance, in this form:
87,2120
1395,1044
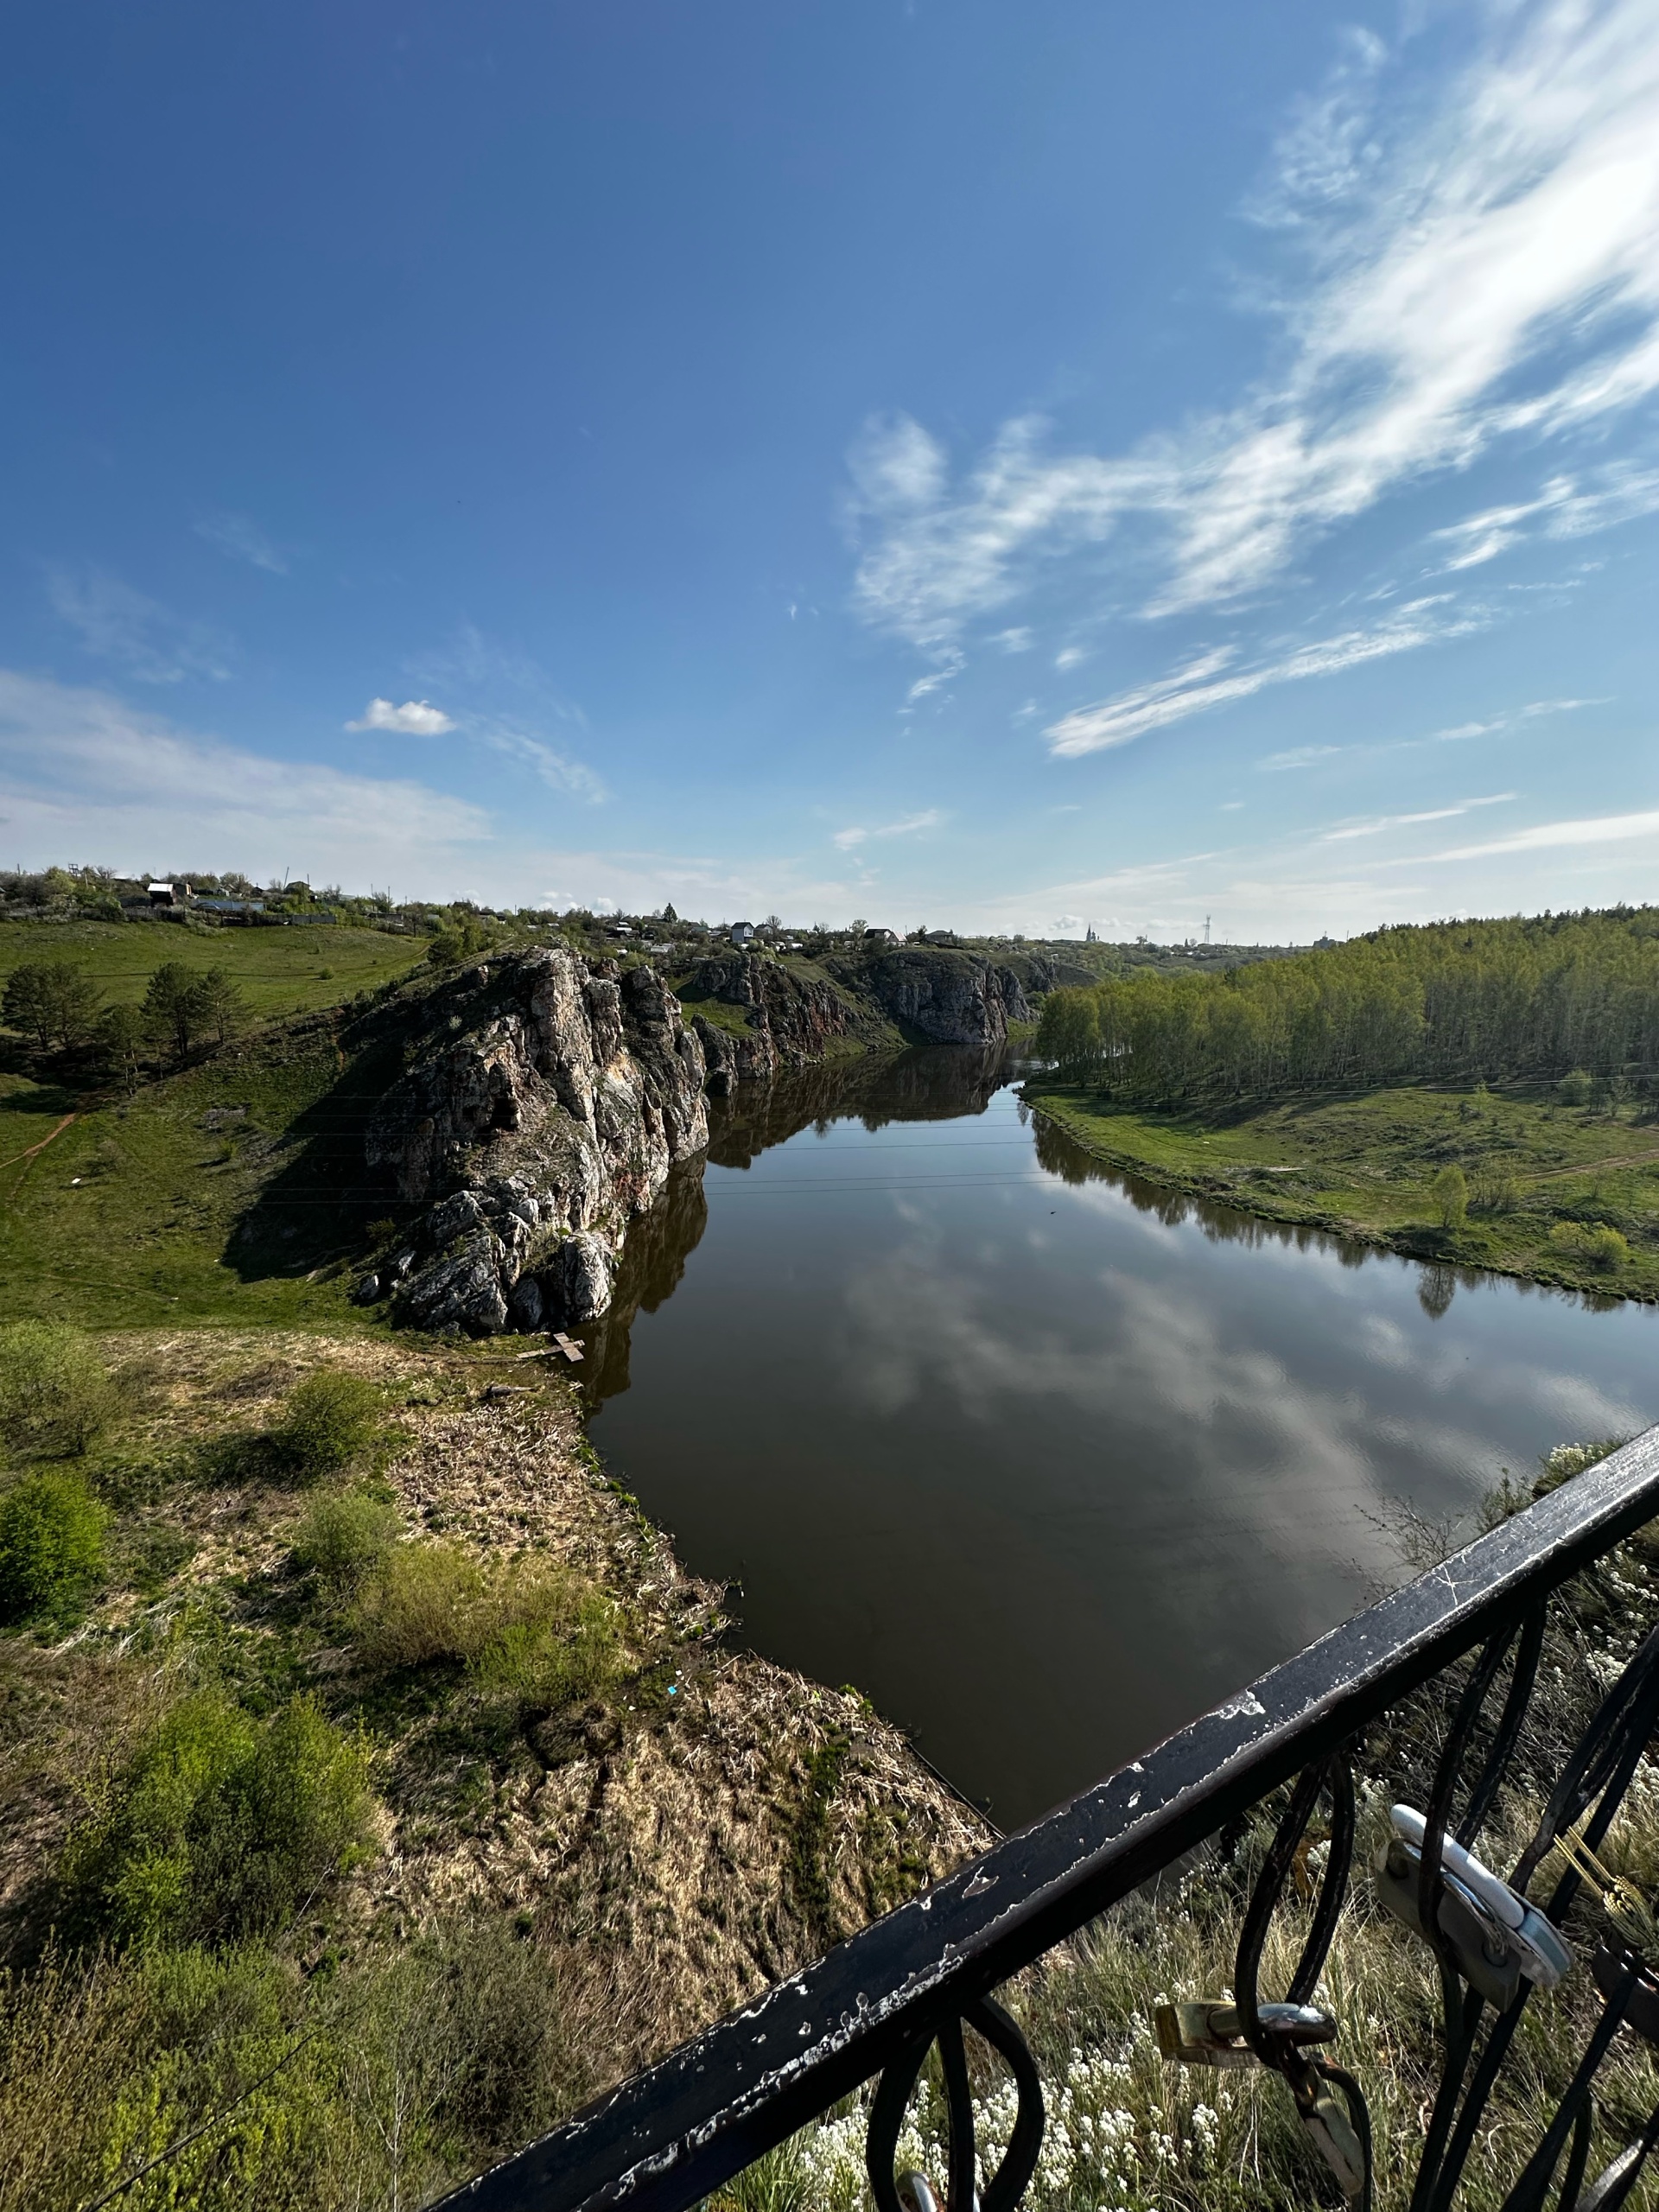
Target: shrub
1599,1245
55,1393
341,1538
219,1826
423,1606
1495,1189
1576,1089
570,1647
1450,1195
331,1418
530,1628
51,1545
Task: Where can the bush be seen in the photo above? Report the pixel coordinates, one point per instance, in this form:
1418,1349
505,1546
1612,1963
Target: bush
341,1538
1576,1089
530,1628
51,1545
423,1606
1450,1195
572,1650
331,1418
219,1826
55,1393
1599,1245
1495,1189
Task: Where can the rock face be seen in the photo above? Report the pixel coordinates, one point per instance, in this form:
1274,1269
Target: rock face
938,995
788,1019
541,1107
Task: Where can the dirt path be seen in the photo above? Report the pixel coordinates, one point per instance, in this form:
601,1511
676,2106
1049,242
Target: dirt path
1595,1166
29,1151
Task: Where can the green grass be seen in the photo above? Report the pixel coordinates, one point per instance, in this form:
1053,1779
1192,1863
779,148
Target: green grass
215,1195
124,1212
279,970
1364,1166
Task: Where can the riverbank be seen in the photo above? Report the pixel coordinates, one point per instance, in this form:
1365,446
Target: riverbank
1541,1176
541,1822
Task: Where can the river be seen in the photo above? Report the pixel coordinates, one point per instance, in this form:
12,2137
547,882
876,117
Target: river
1044,1461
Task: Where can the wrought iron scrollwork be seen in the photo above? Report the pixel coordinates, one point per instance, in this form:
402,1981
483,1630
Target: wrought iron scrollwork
1008,2185
1582,1807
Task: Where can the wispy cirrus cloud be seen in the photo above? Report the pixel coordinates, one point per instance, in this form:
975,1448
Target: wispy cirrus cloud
511,703
243,539
134,633
1377,826
1567,506
850,840
415,718
1596,830
1473,264
1212,680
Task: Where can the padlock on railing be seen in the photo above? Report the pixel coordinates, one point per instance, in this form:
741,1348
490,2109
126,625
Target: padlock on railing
1211,2032
1495,1934
1326,2112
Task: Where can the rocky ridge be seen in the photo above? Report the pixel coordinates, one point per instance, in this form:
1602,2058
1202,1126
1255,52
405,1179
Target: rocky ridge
543,1100
541,1106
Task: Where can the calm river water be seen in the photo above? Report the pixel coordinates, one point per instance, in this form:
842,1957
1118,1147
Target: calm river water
1044,1461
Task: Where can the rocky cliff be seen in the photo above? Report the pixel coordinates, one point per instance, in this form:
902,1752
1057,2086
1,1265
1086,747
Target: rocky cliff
786,1018
541,1106
937,996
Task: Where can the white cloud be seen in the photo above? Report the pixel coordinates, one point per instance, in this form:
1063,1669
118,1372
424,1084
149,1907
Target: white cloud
558,771
846,839
509,700
415,718
1300,756
1476,262
1200,684
244,540
1597,829
1382,821
1617,493
114,622
82,774
1013,641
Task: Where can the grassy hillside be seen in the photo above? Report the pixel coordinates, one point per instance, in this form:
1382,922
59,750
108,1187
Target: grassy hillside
280,971
117,1209
1365,1166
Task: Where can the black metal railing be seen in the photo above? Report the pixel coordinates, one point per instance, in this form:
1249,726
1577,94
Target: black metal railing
879,2003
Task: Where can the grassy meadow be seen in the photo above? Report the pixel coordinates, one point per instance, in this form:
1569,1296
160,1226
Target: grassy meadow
1365,1166
120,1210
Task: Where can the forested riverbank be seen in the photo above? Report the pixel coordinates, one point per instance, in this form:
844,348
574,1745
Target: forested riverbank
1483,1094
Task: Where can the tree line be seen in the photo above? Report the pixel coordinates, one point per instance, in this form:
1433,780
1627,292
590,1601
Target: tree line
60,1008
1476,1001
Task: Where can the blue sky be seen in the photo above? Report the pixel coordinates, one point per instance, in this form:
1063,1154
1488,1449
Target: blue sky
1009,467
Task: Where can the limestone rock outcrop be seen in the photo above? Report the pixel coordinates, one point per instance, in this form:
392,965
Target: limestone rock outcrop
787,1019
940,996
541,1105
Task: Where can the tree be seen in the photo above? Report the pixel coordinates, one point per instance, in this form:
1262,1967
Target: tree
1069,1033
117,1043
1450,1195
220,1005
55,1001
172,1011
